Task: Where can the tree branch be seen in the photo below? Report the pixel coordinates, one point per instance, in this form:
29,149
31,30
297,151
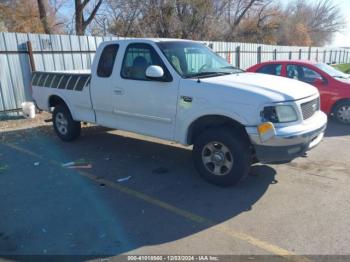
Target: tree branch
92,15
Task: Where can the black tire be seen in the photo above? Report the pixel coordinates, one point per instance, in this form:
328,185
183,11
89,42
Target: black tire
72,128
239,152
338,112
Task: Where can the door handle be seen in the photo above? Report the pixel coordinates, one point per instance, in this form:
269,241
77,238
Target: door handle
119,91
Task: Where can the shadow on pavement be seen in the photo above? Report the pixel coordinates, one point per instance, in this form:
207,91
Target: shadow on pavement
50,210
336,129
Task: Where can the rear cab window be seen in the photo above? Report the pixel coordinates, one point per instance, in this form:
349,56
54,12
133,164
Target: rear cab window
271,69
107,60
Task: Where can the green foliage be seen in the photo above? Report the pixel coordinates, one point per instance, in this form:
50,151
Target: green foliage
343,67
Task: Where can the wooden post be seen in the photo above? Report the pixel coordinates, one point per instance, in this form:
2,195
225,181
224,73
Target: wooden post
31,57
229,57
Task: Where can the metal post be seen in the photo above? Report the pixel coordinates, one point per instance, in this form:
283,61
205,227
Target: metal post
259,55
300,54
309,53
290,55
330,56
324,56
275,54
339,58
317,55
238,56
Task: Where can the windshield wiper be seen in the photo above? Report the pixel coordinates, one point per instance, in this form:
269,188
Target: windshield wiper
207,74
228,67
234,68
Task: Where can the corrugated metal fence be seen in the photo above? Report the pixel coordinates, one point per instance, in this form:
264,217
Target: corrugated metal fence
70,52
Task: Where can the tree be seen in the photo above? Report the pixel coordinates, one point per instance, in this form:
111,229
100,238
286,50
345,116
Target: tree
314,23
260,21
23,16
326,19
236,12
260,24
124,17
2,26
80,22
43,16
194,18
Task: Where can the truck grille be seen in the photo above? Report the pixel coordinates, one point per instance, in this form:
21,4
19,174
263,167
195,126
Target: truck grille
310,108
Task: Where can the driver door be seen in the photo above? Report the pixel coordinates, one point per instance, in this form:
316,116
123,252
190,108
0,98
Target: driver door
143,105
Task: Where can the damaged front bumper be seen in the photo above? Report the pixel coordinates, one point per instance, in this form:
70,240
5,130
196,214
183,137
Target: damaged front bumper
289,142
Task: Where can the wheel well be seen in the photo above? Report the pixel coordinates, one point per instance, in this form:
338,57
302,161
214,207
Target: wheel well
209,121
338,102
56,100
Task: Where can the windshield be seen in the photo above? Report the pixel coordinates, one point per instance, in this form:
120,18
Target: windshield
195,60
332,71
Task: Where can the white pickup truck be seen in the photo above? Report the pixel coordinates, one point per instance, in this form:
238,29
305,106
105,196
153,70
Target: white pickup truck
182,91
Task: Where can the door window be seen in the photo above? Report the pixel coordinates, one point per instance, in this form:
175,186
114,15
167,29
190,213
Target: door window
302,73
107,59
271,69
138,57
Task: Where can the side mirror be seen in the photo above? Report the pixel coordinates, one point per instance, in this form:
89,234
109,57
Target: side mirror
319,81
155,72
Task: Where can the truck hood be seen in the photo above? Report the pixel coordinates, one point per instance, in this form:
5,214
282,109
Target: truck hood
274,88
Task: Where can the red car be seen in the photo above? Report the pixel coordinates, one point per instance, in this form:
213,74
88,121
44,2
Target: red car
334,85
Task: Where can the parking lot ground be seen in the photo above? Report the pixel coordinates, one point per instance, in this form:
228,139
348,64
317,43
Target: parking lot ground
298,208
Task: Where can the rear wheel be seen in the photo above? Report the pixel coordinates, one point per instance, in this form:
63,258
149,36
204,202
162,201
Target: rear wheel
221,156
65,127
342,112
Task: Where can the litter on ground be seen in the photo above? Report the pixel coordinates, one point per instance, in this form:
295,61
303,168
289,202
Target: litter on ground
80,163
120,180
80,167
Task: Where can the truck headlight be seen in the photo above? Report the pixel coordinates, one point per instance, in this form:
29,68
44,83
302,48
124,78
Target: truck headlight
279,114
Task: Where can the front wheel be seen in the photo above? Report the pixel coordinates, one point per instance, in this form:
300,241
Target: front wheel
65,127
221,156
342,112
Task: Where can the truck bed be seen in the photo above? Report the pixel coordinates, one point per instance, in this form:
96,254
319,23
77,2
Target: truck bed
70,80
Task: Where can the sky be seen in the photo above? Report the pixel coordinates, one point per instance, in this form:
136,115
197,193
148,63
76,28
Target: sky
342,39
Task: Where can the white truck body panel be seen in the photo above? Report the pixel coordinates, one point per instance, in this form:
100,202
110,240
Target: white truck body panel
160,109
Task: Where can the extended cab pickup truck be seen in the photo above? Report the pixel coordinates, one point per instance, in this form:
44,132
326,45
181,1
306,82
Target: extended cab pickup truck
182,91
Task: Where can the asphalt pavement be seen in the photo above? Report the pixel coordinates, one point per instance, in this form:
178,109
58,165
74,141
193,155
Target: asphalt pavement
138,195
